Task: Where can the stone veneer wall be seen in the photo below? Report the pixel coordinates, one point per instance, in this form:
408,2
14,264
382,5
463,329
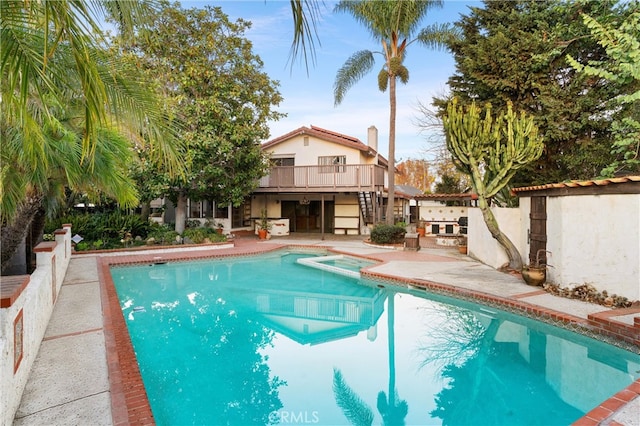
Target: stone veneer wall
27,303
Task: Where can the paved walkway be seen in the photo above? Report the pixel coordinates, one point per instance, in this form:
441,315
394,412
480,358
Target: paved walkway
69,382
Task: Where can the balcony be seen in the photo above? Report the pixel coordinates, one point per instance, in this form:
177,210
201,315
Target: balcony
343,177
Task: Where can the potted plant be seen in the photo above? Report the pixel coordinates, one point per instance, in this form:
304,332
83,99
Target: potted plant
422,228
219,227
263,225
462,243
535,273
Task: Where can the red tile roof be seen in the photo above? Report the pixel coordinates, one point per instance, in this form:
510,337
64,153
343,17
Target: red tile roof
446,197
579,184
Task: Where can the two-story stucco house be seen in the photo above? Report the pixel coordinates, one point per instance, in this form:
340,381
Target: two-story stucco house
321,181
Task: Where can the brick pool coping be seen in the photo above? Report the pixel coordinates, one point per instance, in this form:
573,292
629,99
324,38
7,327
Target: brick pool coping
129,400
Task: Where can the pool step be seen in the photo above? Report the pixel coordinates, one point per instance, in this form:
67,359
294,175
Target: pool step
316,262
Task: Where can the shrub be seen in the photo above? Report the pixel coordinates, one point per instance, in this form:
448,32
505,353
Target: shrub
199,235
102,226
387,234
82,246
162,234
192,223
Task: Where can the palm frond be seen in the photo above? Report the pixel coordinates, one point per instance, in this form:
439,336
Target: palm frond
126,13
358,65
306,14
137,110
438,36
13,185
353,407
383,17
407,15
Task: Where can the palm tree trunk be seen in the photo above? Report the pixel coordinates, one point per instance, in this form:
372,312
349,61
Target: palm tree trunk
36,232
392,152
14,233
392,352
515,260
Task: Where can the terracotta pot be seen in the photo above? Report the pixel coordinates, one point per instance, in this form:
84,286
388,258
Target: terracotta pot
462,249
262,234
421,231
534,276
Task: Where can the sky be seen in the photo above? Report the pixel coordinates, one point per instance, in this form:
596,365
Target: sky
308,97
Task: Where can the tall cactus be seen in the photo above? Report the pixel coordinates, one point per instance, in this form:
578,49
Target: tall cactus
490,150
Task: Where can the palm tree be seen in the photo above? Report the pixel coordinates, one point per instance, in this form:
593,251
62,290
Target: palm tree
61,90
40,188
394,23
391,408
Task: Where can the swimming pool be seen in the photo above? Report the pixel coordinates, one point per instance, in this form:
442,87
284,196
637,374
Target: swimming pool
259,340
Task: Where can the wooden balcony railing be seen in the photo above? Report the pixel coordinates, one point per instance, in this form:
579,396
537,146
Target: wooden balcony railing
351,177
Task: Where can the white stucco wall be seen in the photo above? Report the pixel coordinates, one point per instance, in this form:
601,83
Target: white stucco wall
433,212
36,303
595,239
439,212
482,246
592,239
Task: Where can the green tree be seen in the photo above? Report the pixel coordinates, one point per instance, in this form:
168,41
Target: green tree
62,97
622,45
491,150
150,184
452,180
394,24
213,82
516,51
448,184
44,191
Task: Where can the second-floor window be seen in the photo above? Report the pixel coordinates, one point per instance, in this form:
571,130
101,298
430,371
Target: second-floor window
283,161
332,163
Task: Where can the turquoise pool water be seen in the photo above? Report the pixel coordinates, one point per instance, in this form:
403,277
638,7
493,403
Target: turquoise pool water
264,340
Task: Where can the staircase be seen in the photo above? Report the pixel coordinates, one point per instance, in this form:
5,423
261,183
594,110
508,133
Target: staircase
366,206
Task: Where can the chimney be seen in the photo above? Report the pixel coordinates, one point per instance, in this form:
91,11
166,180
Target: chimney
372,137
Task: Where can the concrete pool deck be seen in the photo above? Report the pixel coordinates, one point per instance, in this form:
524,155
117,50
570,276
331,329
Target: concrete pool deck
72,381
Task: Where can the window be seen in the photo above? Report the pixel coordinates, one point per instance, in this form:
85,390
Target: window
195,209
222,211
284,176
283,161
332,164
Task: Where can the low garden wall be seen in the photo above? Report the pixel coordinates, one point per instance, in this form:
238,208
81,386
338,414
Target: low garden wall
26,306
481,244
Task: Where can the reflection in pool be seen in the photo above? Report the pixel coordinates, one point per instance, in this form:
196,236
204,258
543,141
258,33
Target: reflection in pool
259,340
